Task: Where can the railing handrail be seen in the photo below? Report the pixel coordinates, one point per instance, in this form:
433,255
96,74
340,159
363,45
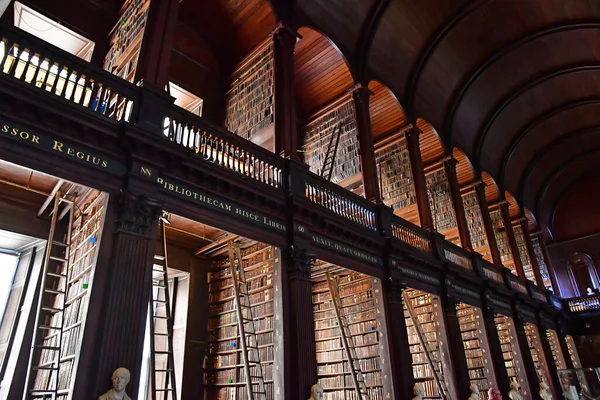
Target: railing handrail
422,234
223,133
495,269
461,253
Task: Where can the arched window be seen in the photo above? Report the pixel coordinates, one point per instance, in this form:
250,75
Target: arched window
583,274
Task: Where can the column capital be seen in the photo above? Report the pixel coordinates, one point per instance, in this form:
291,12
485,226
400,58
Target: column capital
449,161
282,30
396,289
137,214
502,204
299,262
412,132
360,91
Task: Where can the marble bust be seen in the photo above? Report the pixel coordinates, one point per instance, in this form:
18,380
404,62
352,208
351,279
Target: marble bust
474,392
120,379
514,393
419,392
494,394
316,392
545,392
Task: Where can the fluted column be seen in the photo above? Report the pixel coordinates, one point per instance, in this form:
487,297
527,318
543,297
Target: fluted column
487,222
512,242
361,95
418,173
457,203
534,264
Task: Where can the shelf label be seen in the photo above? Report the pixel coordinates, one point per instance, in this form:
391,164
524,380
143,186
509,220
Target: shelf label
60,147
209,201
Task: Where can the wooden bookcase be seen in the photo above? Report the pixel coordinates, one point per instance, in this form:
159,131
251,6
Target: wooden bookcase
539,256
317,134
396,181
477,352
431,319
510,350
125,39
475,224
557,354
440,203
502,240
224,376
523,253
537,354
250,101
86,233
361,301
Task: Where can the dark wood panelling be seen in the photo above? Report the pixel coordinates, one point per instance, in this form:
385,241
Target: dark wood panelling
321,73
492,193
464,170
386,112
431,145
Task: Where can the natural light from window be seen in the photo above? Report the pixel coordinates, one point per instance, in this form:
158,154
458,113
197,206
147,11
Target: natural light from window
8,265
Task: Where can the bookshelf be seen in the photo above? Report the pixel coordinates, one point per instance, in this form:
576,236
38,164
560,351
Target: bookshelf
502,240
510,350
537,353
477,351
317,135
475,224
250,101
125,39
224,376
440,203
557,354
361,300
395,176
86,232
431,321
523,253
539,256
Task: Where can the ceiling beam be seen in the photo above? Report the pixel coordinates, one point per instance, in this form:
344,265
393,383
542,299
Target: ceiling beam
473,76
366,35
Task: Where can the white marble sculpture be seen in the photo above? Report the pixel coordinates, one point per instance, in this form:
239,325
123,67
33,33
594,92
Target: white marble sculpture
474,392
120,379
316,392
419,392
545,391
514,393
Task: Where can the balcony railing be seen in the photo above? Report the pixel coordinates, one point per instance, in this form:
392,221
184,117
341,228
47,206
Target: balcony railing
220,147
457,256
584,303
59,74
411,234
340,201
518,284
493,272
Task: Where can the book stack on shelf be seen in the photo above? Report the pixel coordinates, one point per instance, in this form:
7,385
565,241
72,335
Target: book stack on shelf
250,102
317,135
475,223
86,231
539,256
502,240
395,176
224,374
440,203
358,302
125,39
510,350
476,351
422,373
557,354
537,354
523,253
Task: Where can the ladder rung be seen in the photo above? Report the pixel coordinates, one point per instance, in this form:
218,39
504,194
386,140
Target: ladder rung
161,334
48,327
57,243
160,301
159,285
61,259
38,368
52,291
51,309
164,390
161,317
163,370
159,257
40,346
54,274
161,352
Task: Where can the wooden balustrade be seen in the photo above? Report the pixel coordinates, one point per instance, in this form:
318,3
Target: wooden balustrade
411,234
518,284
584,303
457,256
220,147
340,201
52,71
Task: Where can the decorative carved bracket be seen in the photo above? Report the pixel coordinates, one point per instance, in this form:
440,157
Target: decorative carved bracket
137,215
299,262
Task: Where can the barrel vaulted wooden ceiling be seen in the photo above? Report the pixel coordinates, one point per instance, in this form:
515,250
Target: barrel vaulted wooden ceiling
515,84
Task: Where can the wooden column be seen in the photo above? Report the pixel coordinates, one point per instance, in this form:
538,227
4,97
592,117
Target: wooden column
502,378
532,378
457,203
512,242
401,357
299,336
157,43
457,349
286,122
418,173
549,266
487,222
361,95
534,264
126,295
